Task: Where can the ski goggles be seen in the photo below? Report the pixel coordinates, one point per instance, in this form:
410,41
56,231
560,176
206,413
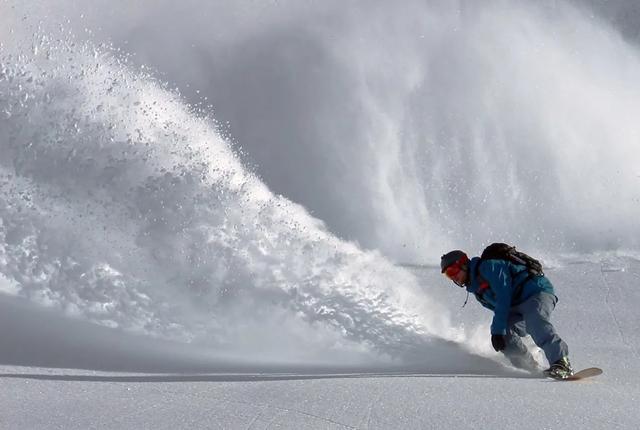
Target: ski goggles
452,271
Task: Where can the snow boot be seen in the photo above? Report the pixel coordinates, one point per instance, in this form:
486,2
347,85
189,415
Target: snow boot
561,369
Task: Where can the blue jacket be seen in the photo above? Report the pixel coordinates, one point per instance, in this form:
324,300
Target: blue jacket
503,276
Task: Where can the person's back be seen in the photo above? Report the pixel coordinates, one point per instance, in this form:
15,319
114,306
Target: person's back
522,284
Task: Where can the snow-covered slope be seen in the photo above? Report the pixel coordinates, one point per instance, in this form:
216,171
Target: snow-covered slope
167,264
596,315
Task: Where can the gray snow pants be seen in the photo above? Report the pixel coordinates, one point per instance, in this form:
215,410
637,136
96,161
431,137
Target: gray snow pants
532,317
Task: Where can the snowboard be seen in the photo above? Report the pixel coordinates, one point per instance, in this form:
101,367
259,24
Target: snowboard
583,374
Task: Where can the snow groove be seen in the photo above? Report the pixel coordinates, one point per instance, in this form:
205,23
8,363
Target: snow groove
619,328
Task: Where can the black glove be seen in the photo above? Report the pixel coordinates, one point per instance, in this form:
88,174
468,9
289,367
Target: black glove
498,342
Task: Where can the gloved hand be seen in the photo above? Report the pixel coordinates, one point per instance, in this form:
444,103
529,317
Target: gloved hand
498,341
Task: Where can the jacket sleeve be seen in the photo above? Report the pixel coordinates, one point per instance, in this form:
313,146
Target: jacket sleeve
497,274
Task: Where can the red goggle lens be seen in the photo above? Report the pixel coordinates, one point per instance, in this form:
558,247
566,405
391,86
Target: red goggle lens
452,271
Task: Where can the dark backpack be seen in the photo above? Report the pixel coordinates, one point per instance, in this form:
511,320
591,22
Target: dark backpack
502,251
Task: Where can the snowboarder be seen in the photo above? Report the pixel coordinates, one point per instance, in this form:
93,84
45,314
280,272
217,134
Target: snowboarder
522,304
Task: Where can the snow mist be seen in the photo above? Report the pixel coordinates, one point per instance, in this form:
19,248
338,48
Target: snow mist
123,206
418,128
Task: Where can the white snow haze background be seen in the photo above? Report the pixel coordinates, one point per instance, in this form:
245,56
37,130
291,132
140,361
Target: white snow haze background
230,214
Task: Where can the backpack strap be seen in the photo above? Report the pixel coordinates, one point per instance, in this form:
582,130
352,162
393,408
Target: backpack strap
484,286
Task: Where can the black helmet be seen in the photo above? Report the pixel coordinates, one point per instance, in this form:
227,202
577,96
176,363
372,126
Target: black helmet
452,257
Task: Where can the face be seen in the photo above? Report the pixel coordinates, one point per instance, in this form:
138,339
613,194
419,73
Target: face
458,275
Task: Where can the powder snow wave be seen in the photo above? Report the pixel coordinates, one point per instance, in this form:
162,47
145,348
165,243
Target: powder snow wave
123,206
